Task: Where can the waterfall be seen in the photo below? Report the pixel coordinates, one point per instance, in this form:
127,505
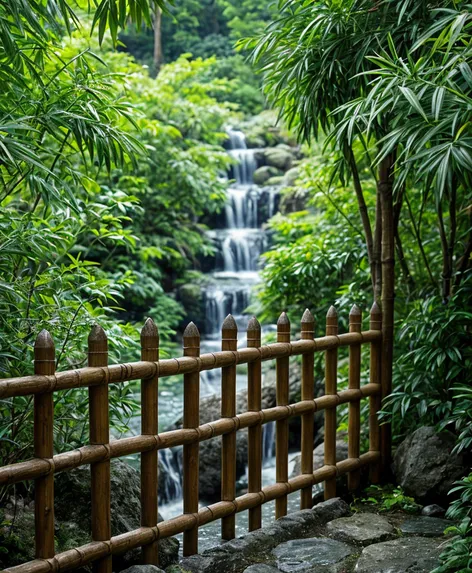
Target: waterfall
268,442
171,464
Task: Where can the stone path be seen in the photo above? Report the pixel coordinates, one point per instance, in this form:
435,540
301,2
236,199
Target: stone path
329,539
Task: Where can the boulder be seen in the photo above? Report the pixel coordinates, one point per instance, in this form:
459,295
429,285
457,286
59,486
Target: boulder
402,555
278,157
318,456
291,177
294,200
274,181
425,466
264,173
73,515
361,529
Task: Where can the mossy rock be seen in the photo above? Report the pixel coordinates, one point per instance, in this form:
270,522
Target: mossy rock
279,157
263,174
275,180
291,176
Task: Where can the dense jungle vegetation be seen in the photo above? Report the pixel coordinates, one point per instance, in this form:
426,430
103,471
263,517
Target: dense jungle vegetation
112,133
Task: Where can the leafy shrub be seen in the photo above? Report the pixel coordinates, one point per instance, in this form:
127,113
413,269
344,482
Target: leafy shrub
457,557
388,498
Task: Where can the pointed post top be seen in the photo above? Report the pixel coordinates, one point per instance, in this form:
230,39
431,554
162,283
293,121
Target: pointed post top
308,326
191,331
44,340
355,311
97,334
332,312
254,325
375,317
149,330
307,317
283,319
229,324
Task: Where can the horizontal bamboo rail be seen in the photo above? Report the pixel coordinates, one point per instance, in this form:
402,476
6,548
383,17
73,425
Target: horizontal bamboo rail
101,450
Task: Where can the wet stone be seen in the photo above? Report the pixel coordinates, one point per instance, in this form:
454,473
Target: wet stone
316,554
424,526
261,568
433,511
362,528
404,555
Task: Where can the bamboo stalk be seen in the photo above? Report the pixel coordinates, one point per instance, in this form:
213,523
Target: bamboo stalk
307,393
229,341
331,366
116,373
100,435
282,396
354,427
44,364
375,399
191,340
254,439
149,426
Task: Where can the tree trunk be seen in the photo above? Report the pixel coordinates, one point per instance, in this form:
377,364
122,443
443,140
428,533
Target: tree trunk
385,190
157,56
377,249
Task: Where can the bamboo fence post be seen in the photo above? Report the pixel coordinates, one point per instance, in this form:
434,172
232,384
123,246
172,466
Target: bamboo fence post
282,396
191,339
354,427
149,426
375,401
331,368
100,435
308,393
229,341
254,438
44,364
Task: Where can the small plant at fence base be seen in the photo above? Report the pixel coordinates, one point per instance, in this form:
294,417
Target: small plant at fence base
387,498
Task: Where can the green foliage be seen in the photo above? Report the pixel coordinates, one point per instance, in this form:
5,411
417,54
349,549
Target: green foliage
387,498
433,368
458,554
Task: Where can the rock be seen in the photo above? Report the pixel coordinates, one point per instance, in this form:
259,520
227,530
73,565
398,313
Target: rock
73,517
425,526
294,200
318,456
433,511
425,466
278,157
311,554
278,180
404,555
264,173
291,177
261,568
143,569
238,554
361,528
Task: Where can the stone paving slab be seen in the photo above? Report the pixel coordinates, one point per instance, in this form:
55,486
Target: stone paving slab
361,529
424,526
404,555
316,554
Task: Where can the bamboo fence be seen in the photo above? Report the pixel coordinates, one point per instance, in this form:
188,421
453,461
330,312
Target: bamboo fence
99,375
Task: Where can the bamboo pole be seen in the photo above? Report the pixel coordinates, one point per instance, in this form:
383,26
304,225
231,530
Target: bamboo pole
116,373
229,341
254,438
281,430
307,393
375,400
100,435
44,364
191,340
354,426
149,426
331,366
